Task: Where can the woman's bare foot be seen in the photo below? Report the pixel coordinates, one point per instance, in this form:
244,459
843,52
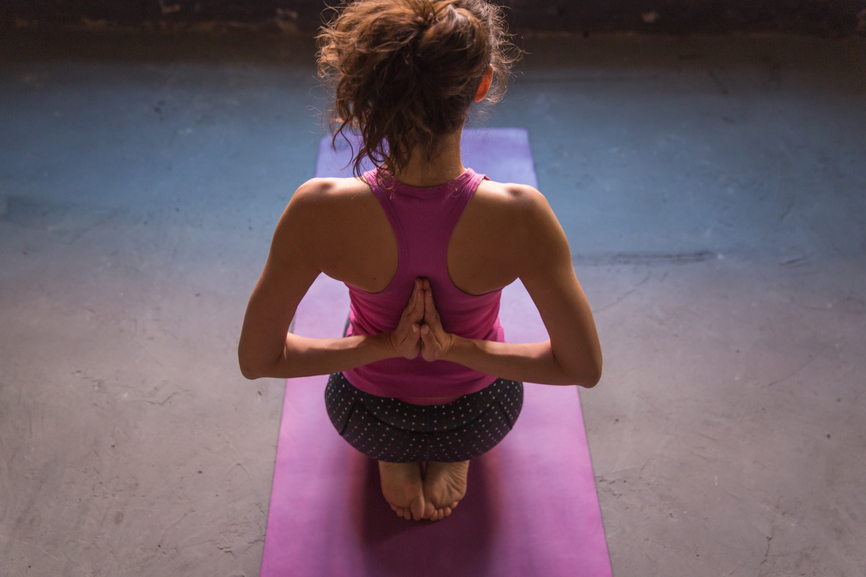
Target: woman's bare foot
403,488
444,486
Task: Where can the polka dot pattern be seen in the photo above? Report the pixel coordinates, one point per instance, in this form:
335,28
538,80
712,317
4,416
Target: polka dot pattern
394,431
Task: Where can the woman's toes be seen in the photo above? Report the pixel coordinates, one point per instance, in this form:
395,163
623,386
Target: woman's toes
440,514
418,509
402,483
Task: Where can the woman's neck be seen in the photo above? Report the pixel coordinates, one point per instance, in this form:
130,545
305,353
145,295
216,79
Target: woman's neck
444,165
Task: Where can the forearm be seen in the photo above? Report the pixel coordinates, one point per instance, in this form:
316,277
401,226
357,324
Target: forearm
531,362
303,357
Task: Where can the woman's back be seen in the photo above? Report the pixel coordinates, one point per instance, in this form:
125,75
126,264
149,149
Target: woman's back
352,241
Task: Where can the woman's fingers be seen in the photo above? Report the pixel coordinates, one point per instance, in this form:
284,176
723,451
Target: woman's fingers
431,315
412,306
435,342
405,339
420,328
431,347
418,302
429,305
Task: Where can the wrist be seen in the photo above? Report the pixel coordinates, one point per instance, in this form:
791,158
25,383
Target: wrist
383,344
455,347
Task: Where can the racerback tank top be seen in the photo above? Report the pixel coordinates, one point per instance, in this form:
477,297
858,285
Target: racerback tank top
423,220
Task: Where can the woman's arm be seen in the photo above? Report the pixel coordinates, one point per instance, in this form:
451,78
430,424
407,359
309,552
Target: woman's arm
266,349
572,355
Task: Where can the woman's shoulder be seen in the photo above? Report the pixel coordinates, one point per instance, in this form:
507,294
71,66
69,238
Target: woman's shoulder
519,209
499,235
508,198
330,189
327,215
509,193
322,201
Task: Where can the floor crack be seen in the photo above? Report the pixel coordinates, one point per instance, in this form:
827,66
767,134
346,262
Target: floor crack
767,552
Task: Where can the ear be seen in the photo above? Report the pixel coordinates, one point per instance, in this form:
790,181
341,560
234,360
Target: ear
484,87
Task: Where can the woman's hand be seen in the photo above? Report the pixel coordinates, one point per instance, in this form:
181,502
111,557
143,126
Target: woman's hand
435,342
406,338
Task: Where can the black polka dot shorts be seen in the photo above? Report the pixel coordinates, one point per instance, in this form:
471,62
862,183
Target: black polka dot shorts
391,430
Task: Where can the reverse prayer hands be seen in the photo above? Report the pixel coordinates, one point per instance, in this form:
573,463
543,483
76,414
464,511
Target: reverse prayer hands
420,327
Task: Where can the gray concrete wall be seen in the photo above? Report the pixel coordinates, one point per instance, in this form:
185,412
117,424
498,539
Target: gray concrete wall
665,16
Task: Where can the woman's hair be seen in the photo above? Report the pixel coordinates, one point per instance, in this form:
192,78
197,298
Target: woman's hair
405,72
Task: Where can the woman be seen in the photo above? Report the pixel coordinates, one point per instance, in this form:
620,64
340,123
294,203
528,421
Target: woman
422,381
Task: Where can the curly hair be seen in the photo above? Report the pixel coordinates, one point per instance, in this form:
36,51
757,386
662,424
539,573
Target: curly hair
404,73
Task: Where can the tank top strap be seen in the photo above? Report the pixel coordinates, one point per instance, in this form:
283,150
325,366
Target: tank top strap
383,191
463,193
423,219
448,199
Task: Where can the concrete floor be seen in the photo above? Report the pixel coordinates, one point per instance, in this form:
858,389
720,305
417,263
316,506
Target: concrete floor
714,194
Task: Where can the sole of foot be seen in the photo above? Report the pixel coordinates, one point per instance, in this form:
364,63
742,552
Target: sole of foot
403,489
444,486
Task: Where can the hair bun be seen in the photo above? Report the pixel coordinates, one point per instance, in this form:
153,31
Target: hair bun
405,72
425,13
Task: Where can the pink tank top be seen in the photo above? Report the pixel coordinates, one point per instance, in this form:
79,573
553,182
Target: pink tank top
423,220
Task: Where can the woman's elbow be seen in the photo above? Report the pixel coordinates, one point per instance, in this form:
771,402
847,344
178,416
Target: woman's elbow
583,371
251,367
593,373
583,376
588,374
249,370
592,381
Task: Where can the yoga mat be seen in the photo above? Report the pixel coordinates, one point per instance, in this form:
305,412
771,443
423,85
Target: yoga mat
531,508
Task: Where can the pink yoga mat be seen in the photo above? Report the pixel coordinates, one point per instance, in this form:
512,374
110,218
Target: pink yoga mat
531,508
